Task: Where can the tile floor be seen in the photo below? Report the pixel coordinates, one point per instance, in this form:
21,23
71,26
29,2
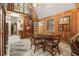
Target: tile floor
21,47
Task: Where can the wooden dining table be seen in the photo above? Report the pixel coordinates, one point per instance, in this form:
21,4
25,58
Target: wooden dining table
44,38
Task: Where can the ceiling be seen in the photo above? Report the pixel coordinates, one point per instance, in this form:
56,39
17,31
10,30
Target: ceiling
48,9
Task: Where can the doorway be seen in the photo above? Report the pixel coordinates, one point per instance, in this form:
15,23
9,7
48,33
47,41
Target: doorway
13,28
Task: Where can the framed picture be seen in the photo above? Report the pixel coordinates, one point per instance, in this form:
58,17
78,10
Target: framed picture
50,25
64,23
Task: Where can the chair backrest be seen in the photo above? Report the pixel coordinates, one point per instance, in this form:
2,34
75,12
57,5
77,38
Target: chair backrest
35,38
56,39
75,46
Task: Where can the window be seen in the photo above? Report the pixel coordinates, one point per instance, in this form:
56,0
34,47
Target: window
50,25
20,7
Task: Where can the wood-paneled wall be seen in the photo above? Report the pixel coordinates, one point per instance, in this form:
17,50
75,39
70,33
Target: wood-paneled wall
10,6
74,24
77,21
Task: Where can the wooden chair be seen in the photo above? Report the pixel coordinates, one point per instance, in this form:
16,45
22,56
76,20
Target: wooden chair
52,45
36,40
74,43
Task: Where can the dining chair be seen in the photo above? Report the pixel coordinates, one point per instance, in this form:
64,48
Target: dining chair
36,40
53,45
74,44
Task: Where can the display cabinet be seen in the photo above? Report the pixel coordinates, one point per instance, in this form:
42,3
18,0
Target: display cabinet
64,23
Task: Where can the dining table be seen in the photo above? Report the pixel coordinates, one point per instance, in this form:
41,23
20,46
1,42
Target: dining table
44,38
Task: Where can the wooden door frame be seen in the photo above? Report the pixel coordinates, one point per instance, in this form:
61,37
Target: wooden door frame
2,31
16,27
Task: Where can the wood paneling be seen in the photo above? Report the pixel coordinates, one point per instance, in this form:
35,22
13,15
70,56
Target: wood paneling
10,6
77,25
74,22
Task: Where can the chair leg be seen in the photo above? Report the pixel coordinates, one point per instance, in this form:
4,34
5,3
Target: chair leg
43,47
58,50
72,54
31,46
35,49
52,53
